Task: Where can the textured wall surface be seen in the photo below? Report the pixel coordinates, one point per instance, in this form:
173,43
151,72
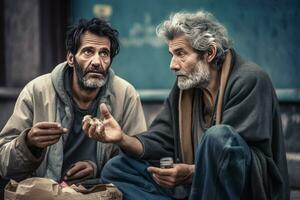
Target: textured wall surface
264,31
22,41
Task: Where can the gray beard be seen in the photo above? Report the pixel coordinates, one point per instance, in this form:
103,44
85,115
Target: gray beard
199,77
93,83
85,83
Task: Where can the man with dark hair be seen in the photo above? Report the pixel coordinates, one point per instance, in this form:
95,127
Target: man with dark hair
220,124
44,137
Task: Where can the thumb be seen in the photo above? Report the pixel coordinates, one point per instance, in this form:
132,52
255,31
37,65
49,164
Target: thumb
104,111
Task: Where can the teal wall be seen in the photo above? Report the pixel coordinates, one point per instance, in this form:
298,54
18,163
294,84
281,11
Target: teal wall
264,31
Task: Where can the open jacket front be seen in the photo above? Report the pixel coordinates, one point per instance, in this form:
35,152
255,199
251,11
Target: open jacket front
45,99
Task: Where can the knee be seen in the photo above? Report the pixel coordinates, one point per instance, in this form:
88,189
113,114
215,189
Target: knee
219,134
223,136
111,167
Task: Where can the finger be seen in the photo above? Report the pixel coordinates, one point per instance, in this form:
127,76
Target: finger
47,125
92,130
160,171
48,132
95,135
86,126
100,130
60,129
75,168
87,172
169,179
48,138
161,182
46,144
99,134
104,111
45,139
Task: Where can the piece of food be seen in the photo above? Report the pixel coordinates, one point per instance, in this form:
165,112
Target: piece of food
87,118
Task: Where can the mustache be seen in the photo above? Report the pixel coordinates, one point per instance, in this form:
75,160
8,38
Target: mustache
99,70
178,73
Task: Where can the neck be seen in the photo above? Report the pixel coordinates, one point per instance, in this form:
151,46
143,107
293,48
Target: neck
83,98
213,85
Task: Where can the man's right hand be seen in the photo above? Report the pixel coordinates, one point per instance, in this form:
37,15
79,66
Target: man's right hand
108,132
44,134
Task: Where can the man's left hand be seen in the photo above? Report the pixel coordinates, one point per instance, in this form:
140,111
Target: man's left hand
81,170
180,174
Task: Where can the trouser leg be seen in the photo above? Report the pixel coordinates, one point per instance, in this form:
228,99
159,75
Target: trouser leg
132,178
222,165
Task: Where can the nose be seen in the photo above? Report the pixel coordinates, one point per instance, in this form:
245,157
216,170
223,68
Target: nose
174,65
96,61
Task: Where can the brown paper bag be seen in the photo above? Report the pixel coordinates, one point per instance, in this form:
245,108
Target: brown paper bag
47,189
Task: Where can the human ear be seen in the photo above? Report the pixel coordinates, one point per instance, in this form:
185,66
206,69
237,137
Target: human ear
211,53
70,59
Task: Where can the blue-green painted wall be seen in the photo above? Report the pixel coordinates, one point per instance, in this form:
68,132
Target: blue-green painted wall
265,31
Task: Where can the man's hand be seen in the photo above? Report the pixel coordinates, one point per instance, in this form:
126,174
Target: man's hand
44,134
109,131
80,171
180,174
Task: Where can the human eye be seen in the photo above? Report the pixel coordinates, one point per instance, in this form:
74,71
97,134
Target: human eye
104,53
180,54
87,52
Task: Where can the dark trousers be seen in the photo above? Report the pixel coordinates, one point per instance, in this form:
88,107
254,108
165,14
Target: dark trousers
221,170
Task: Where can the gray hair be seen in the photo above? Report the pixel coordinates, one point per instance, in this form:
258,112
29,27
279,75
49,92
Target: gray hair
201,29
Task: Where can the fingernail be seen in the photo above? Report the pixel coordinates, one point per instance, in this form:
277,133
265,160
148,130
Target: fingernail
65,129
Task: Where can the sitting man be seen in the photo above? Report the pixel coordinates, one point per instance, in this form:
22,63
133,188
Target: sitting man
44,135
220,124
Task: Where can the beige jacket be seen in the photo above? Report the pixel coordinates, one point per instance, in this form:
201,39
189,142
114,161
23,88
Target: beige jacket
45,99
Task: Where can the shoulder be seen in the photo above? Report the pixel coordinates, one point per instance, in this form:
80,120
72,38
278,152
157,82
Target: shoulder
121,87
49,81
247,78
38,90
40,84
248,74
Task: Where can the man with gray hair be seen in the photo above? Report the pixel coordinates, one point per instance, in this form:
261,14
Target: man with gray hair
220,123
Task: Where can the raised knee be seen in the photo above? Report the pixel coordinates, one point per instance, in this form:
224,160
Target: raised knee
219,132
110,167
222,138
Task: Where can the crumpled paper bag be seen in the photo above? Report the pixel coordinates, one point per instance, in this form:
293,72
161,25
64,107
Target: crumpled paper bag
47,189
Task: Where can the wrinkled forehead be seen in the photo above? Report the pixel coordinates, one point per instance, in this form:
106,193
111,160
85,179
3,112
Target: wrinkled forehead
179,42
91,39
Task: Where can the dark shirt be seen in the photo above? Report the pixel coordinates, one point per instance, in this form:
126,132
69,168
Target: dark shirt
78,145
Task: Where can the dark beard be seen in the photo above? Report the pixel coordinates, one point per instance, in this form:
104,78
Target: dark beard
80,77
